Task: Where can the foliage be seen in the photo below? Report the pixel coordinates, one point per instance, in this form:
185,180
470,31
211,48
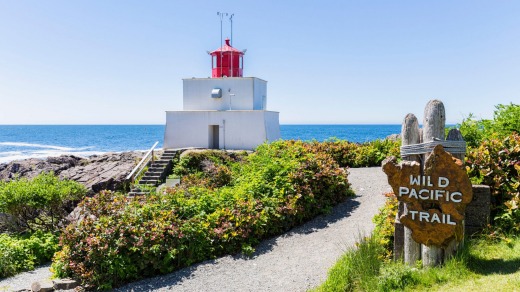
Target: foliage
122,239
384,221
474,131
196,161
348,154
208,168
22,253
493,159
40,203
481,265
496,163
506,120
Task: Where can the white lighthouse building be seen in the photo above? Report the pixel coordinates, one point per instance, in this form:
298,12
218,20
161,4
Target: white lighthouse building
226,111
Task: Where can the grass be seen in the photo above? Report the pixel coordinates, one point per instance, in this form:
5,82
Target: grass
490,266
482,266
357,268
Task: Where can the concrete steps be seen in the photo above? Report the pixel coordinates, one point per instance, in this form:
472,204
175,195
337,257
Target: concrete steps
157,172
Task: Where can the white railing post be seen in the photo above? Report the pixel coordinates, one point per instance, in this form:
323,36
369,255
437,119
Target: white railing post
142,164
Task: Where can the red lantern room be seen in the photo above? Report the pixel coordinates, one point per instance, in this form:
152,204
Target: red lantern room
227,62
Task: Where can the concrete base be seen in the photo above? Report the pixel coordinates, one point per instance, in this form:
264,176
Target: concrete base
235,129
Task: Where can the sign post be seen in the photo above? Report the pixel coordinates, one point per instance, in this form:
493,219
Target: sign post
434,190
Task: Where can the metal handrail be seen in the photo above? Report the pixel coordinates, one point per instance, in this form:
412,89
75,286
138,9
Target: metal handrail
142,164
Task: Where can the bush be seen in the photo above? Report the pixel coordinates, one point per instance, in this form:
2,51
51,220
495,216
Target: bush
493,159
506,120
374,152
384,222
496,163
348,154
38,204
23,253
120,239
474,131
208,168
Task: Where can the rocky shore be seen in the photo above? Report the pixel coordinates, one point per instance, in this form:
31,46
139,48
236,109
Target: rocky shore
98,172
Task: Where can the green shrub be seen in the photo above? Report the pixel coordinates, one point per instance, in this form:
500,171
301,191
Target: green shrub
384,222
120,239
208,168
23,253
343,152
506,120
197,161
496,163
348,154
474,131
38,204
374,152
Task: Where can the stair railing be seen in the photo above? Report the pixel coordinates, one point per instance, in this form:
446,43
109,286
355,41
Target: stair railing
138,169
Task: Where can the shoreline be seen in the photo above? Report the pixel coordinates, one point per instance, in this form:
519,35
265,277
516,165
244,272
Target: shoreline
51,154
40,141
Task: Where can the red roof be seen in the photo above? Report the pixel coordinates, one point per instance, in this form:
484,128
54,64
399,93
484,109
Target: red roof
226,48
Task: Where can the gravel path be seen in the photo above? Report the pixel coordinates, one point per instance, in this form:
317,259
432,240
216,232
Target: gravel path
295,261
24,280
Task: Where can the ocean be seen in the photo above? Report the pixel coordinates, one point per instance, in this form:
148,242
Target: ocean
40,141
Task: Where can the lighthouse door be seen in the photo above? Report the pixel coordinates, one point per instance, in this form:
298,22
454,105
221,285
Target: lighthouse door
213,137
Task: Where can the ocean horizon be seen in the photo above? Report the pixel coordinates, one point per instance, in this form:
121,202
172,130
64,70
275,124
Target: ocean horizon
40,141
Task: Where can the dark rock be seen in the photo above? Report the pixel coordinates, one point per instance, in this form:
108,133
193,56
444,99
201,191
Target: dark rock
100,172
65,284
30,168
103,172
8,222
394,137
42,286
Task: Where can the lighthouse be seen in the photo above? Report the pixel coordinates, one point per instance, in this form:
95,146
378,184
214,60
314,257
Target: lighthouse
223,59
226,111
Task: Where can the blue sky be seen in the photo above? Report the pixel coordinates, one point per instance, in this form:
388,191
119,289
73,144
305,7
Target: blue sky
340,62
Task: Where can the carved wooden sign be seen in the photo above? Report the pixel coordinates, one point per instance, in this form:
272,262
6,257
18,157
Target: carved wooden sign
436,200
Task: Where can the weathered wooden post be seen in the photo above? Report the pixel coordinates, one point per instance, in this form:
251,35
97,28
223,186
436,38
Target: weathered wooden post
410,135
455,135
433,193
433,130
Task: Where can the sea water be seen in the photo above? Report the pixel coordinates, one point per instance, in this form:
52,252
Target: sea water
40,141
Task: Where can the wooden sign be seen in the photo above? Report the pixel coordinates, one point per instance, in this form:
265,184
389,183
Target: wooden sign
436,199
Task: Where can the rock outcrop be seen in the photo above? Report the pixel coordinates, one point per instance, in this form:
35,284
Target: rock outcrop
393,137
30,168
99,172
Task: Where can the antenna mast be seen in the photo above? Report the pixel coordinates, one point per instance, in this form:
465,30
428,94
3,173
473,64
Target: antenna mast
231,20
221,15
231,41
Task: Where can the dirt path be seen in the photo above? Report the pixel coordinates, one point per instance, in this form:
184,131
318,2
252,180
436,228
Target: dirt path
295,261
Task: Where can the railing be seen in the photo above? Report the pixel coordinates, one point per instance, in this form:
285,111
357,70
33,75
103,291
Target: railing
142,164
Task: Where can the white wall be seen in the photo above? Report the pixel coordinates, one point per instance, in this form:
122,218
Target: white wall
238,93
260,94
238,129
272,126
